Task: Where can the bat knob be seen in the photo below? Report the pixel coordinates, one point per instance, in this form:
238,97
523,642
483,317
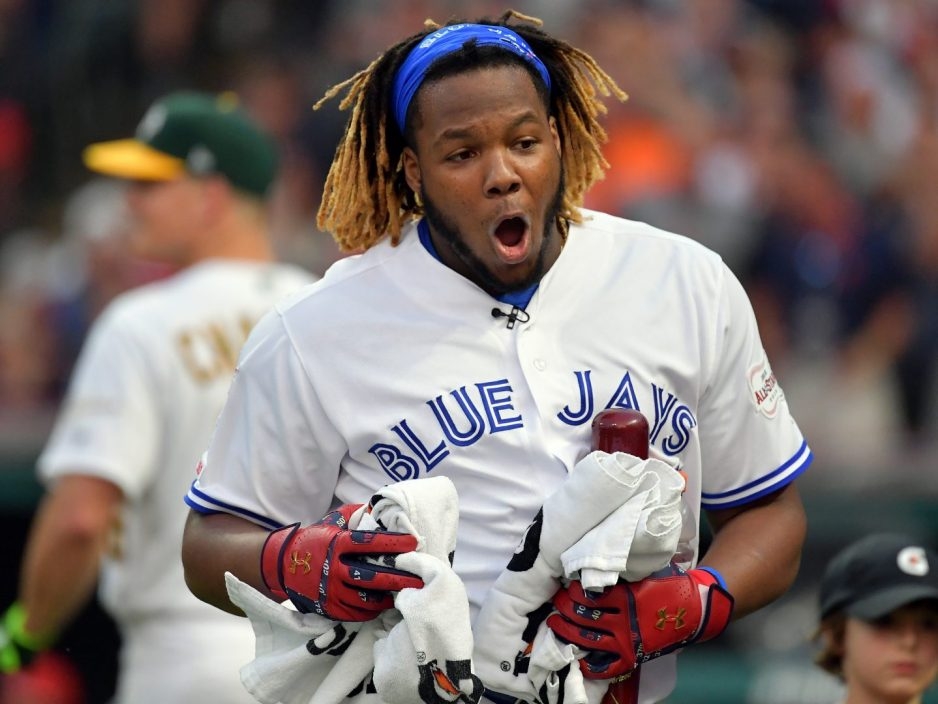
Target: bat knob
621,430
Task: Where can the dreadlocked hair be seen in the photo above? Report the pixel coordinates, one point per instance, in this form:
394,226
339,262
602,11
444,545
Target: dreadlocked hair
366,197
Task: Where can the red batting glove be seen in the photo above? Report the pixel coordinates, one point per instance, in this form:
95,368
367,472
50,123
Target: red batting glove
633,622
322,568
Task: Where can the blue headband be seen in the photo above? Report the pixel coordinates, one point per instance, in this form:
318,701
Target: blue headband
447,40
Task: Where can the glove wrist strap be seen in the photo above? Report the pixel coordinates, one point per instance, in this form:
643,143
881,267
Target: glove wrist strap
718,604
272,556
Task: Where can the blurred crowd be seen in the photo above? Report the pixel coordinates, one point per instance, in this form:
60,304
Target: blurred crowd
797,138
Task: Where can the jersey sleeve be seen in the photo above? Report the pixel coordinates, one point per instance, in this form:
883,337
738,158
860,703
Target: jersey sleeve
109,423
750,443
274,456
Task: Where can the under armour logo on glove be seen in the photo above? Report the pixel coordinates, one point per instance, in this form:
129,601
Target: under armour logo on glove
295,562
342,574
677,619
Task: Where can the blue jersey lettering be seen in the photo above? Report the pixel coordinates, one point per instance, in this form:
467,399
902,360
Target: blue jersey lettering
496,400
584,410
469,411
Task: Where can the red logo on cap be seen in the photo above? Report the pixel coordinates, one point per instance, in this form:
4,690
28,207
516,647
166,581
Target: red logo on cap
912,561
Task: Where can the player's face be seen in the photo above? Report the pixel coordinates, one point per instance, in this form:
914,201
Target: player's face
166,217
894,658
487,164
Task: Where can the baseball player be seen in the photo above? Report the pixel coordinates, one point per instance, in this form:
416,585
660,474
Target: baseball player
148,386
488,319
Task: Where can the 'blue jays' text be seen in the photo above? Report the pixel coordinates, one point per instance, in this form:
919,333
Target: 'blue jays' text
469,413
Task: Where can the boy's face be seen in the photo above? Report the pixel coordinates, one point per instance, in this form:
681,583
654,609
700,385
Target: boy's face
894,658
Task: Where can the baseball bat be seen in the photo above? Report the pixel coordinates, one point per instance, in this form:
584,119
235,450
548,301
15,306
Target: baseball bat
621,430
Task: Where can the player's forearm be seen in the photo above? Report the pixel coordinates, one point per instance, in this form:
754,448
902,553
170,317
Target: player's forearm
219,543
53,597
60,565
758,550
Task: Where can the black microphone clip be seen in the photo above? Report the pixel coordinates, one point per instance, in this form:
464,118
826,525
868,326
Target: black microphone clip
517,315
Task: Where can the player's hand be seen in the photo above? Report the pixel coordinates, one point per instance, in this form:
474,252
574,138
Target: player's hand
323,569
634,622
17,647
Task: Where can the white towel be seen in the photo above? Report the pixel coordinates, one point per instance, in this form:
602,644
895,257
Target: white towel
616,515
418,651
429,653
636,539
283,670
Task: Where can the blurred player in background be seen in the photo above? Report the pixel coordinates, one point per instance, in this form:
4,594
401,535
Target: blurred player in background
150,381
879,619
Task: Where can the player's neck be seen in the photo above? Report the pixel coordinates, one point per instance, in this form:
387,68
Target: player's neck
245,238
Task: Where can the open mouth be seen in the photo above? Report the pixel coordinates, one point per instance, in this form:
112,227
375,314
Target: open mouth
511,235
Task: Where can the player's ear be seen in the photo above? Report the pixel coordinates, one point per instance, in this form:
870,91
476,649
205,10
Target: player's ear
411,169
555,134
216,195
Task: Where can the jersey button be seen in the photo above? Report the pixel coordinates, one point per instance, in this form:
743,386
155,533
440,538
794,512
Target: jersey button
540,365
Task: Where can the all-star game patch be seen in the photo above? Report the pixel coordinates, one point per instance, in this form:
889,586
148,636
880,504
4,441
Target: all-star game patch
765,393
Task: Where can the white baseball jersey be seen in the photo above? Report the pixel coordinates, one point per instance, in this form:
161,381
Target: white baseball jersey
147,389
394,368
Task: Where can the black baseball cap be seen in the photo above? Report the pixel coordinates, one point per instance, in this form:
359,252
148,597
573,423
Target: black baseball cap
877,575
189,132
